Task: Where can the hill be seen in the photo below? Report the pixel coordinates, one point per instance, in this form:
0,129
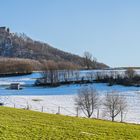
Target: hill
13,45
18,124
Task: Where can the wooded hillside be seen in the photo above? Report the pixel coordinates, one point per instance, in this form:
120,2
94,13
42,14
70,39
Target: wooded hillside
13,45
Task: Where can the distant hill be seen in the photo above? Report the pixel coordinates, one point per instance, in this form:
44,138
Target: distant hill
13,45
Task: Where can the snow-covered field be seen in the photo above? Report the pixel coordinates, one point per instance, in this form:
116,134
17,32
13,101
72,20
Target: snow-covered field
64,104
61,99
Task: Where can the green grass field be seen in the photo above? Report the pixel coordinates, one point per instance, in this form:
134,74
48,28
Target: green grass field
16,124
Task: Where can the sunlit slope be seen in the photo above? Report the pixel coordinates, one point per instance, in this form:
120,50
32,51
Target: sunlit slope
18,124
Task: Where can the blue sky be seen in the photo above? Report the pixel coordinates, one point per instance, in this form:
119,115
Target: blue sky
109,29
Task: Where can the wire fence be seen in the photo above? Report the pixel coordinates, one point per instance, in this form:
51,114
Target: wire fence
68,109
55,109
59,109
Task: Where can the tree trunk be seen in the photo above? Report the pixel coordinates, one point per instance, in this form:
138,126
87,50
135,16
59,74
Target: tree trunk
113,119
121,116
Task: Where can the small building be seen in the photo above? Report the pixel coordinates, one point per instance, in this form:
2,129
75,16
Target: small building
15,86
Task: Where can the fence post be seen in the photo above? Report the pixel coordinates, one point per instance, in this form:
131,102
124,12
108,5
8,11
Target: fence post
28,107
58,110
98,113
77,112
42,109
14,106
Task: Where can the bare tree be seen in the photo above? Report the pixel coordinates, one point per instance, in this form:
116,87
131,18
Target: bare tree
50,74
94,61
98,76
87,59
123,107
87,100
90,75
114,104
130,73
77,75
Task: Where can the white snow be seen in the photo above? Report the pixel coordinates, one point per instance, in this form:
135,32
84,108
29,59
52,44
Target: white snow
65,103
53,100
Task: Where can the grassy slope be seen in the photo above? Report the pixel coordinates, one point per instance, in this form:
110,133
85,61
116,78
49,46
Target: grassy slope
18,124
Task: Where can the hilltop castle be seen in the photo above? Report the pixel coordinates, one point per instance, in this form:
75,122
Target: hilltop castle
4,29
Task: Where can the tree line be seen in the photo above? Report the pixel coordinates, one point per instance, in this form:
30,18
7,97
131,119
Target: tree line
13,66
54,73
127,78
57,73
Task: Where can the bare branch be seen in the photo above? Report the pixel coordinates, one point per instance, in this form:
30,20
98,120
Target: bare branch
87,100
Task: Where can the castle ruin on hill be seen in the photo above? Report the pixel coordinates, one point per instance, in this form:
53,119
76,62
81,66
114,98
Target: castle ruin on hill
4,29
